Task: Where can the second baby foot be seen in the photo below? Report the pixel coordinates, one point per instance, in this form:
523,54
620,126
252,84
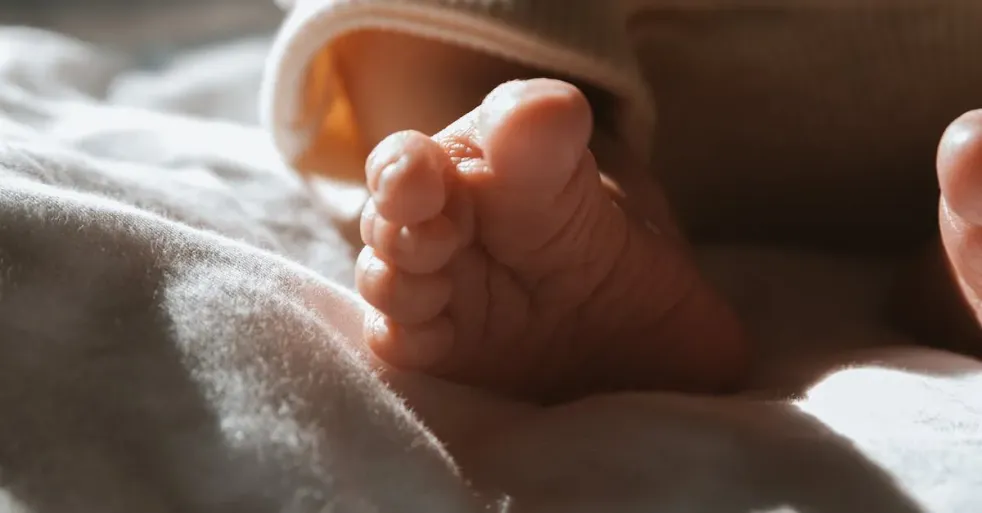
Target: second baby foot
495,257
959,167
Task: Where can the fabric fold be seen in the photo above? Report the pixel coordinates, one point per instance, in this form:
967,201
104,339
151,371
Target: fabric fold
304,104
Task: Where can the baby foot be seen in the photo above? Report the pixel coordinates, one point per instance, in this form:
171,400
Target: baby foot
495,257
960,176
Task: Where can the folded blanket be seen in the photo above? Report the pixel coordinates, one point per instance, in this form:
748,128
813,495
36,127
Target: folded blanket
165,290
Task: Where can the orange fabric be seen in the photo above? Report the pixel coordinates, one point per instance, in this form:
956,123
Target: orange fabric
335,148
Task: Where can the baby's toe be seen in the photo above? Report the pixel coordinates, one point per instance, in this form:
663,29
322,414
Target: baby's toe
402,297
406,174
413,346
422,248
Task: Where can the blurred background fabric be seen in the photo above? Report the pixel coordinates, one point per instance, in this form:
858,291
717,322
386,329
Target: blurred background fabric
196,57
153,27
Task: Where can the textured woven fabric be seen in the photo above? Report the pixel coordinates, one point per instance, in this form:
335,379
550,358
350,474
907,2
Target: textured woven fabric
581,39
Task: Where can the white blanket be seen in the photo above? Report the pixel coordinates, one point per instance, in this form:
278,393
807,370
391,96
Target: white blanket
175,336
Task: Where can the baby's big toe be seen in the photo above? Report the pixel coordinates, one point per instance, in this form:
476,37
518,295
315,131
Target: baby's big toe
534,135
523,157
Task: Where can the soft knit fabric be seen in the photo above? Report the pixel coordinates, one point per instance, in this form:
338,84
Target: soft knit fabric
305,107
748,92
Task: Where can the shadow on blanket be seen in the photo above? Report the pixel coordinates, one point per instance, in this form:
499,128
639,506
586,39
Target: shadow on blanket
642,453
145,367
98,400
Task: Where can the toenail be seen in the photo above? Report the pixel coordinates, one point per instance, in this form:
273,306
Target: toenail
386,153
391,173
506,96
407,243
502,101
958,161
368,216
